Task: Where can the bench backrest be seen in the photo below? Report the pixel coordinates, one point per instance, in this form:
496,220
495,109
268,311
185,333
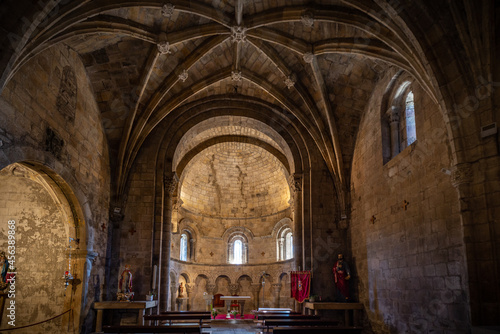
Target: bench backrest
152,329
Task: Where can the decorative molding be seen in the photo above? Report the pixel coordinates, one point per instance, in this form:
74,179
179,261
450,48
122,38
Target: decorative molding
183,76
290,81
308,57
164,48
461,174
167,10
236,75
307,19
238,34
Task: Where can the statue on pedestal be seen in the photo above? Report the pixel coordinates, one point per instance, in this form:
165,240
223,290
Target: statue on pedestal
181,291
125,285
342,274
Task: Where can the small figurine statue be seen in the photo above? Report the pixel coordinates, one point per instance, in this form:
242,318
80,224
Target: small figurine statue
342,274
181,291
125,285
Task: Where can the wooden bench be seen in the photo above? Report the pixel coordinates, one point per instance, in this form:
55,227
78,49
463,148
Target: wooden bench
276,323
152,329
287,316
171,317
185,312
317,330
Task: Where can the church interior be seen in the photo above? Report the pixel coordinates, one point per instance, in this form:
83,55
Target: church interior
215,147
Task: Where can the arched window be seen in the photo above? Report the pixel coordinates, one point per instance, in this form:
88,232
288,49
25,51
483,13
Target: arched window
237,249
284,243
288,245
184,247
238,252
411,131
398,126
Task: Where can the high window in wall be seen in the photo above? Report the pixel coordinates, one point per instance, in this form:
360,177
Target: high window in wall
398,117
186,246
238,249
284,243
411,131
183,247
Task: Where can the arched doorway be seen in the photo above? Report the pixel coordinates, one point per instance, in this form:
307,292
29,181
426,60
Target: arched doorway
49,240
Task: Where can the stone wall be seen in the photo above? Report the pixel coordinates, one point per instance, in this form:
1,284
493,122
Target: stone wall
49,117
407,238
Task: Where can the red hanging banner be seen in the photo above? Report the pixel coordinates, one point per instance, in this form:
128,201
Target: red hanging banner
300,285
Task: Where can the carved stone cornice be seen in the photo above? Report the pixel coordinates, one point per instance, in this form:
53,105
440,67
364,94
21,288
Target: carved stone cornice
461,174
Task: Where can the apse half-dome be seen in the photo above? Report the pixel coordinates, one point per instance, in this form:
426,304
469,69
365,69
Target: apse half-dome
235,180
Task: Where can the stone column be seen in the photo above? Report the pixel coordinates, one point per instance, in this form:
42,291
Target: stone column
189,291
255,293
169,187
173,293
296,188
276,293
394,122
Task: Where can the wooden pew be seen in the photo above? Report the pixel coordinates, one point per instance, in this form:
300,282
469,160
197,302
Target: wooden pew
317,330
172,317
276,323
287,316
152,329
185,312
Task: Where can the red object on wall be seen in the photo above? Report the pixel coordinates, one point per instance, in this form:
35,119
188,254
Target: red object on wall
300,285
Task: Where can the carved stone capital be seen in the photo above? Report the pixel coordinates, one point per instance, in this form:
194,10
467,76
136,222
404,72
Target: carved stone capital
461,174
210,288
170,182
233,288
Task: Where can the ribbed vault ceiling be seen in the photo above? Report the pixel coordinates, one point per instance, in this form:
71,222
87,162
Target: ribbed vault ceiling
316,61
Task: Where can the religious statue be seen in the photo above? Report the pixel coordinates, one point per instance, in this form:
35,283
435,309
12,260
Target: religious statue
5,268
181,291
125,285
342,274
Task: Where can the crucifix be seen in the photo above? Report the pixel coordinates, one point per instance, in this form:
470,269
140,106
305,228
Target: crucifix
405,204
132,230
372,219
103,226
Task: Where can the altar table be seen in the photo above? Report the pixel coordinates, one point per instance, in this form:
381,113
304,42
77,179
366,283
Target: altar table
346,307
140,306
241,301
